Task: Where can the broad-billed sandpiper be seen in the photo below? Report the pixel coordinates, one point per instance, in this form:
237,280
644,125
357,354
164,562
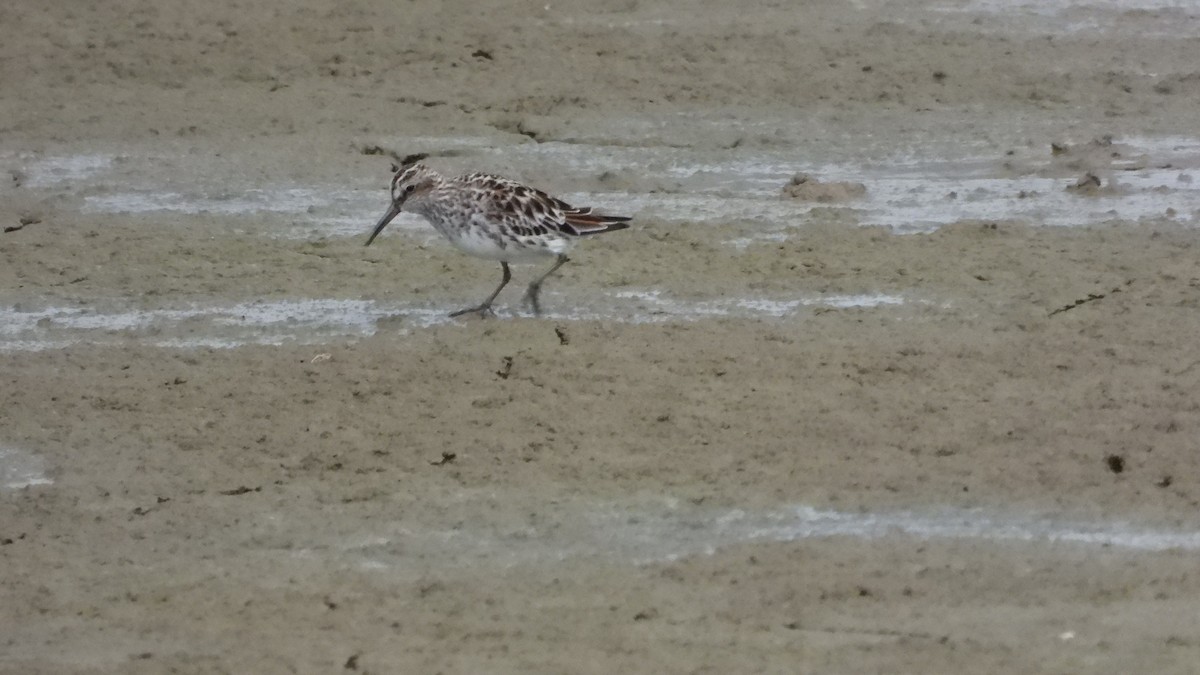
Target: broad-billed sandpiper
495,218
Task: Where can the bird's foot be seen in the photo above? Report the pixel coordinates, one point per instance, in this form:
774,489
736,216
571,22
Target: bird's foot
484,311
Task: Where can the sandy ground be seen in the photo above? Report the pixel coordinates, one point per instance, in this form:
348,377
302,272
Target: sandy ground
803,432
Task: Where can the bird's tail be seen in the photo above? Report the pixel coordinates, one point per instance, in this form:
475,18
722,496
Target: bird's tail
584,222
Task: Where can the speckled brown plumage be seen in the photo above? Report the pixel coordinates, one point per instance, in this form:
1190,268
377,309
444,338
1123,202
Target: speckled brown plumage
495,218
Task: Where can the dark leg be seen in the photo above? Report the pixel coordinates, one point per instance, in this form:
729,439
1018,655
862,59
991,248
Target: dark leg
531,295
486,307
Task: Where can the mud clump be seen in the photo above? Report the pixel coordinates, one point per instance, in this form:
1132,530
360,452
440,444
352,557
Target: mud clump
806,188
1088,184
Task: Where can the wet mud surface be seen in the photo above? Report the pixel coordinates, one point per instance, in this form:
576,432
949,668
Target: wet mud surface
895,372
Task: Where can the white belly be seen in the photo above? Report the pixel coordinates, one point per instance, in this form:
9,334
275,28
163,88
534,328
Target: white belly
528,250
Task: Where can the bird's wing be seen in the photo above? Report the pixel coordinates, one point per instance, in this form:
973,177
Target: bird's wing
531,212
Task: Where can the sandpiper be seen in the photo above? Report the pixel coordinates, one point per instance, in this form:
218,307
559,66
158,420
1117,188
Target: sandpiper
495,218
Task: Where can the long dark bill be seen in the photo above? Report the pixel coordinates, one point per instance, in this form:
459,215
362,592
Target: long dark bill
393,211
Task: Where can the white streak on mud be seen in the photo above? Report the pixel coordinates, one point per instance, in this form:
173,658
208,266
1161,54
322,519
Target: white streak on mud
318,320
648,534
910,191
20,469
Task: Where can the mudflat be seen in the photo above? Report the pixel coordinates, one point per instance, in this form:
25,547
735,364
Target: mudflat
896,370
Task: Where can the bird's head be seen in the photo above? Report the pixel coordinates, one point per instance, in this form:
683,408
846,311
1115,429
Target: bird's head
411,181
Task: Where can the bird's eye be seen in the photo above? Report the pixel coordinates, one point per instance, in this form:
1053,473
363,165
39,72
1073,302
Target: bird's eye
410,188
